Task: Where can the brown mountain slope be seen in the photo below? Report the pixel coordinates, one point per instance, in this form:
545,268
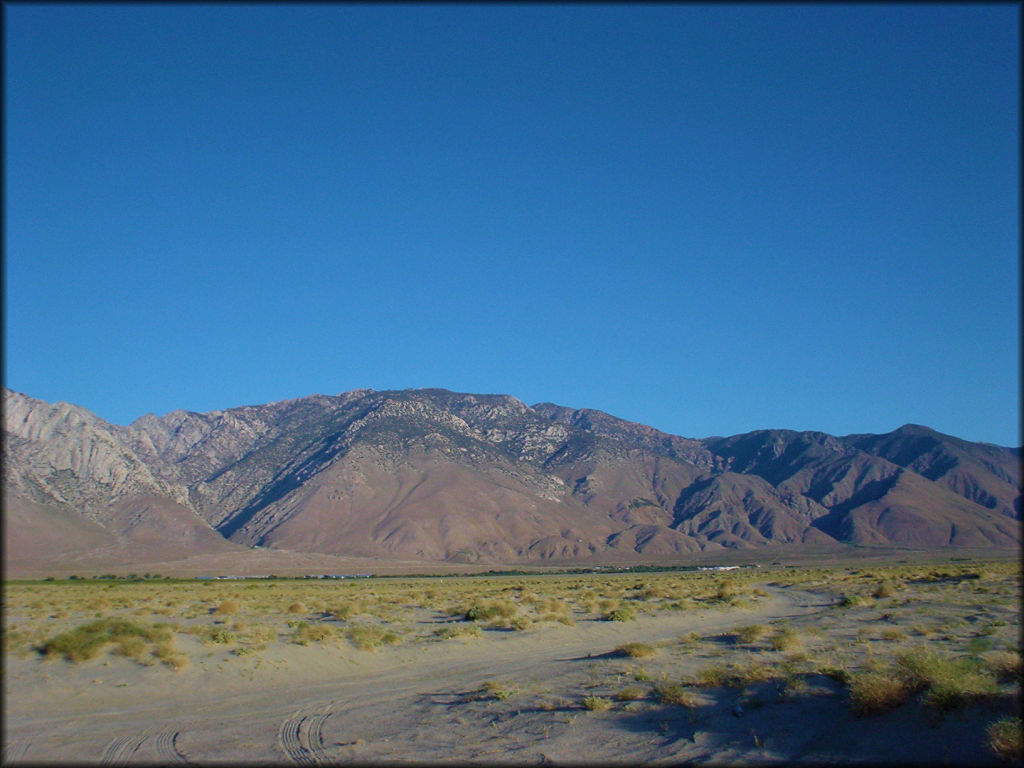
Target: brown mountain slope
911,511
831,470
36,532
424,506
745,510
432,474
985,474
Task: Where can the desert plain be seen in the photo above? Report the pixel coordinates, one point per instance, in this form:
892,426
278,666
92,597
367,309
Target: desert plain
880,661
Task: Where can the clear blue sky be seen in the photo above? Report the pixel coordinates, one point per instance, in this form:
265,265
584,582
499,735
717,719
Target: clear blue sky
707,219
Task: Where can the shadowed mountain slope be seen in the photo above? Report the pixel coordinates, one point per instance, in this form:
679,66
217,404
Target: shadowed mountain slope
436,475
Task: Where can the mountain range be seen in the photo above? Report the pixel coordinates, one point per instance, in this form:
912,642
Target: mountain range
433,475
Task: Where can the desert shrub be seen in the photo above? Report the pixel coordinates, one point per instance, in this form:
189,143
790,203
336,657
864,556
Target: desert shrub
219,636
637,650
169,656
752,633
948,681
296,608
131,646
620,614
854,601
631,693
85,642
726,590
885,589
555,617
652,593
260,635
893,633
713,676
521,622
1003,737
675,693
500,690
368,638
305,634
488,611
552,605
227,607
877,691
1006,665
962,682
733,675
463,630
753,672
786,639
597,703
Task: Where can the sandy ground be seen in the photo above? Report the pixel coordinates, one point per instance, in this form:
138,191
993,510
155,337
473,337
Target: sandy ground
425,703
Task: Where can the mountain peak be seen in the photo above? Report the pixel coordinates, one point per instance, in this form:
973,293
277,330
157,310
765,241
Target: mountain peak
915,429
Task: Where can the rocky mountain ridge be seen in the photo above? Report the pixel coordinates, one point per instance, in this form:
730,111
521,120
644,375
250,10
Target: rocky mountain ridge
430,474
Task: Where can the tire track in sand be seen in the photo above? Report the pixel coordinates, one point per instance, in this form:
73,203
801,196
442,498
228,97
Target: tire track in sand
166,744
301,737
15,751
121,749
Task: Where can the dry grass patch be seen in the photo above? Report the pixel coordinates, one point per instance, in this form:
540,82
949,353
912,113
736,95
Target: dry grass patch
631,693
1006,665
885,589
752,633
620,614
637,650
500,690
948,681
305,633
87,641
170,656
458,630
676,693
493,611
369,638
877,691
787,640
596,703
226,607
855,601
1004,738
